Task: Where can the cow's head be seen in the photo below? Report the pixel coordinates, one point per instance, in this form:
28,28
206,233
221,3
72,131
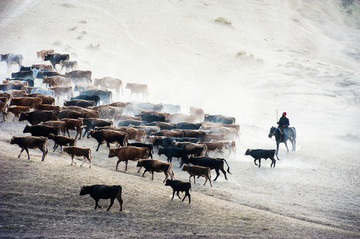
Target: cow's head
248,151
84,190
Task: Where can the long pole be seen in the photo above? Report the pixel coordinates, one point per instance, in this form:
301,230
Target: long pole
277,115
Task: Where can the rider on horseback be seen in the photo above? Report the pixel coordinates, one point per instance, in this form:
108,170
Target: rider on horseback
283,125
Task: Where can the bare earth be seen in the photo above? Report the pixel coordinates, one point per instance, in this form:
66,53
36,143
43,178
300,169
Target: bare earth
41,200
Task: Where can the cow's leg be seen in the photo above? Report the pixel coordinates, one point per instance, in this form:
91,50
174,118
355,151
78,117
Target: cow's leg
273,162
173,194
97,203
259,162
145,172
255,162
118,196
166,176
217,173
117,164
44,154
67,130
27,151
111,203
98,147
83,162
126,164
22,150
178,194
55,147
152,175
187,194
224,172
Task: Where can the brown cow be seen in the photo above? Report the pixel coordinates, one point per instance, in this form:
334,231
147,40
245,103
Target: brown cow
42,53
127,153
31,142
109,83
17,110
200,171
59,124
153,165
109,136
43,67
73,124
192,148
170,133
134,134
219,146
80,152
17,93
79,76
86,113
3,107
53,81
48,107
32,102
48,100
5,95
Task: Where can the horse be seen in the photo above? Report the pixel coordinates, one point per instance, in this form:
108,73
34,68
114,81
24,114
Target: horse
280,137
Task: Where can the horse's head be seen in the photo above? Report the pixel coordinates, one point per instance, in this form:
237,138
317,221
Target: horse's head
272,131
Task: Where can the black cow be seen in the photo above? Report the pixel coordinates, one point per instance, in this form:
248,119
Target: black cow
171,152
167,141
151,117
62,141
131,122
105,95
37,116
79,102
98,192
94,98
149,146
41,74
91,123
179,186
41,130
219,119
212,163
186,125
258,154
56,58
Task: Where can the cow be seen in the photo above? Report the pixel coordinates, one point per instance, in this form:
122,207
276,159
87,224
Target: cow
219,119
109,83
79,152
178,117
43,73
77,112
56,58
173,152
11,86
91,123
131,122
179,186
137,89
167,141
134,134
105,95
148,129
258,154
5,95
43,67
187,125
37,116
45,99
198,113
3,108
212,163
79,76
163,125
27,73
31,142
12,59
98,192
69,65
129,153
41,130
230,133
17,110
219,146
109,136
84,86
137,107
60,140
151,117
80,103
53,81
107,111
32,102
170,108
191,133
153,165
149,146
54,108
24,81
17,93
94,98
61,125
40,90
170,133
196,170
42,53
73,124
192,148
62,91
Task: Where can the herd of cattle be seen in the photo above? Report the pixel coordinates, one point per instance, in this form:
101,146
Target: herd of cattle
138,130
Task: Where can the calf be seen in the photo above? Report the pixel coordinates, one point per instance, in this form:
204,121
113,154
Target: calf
149,146
48,100
69,65
73,124
40,130
212,163
31,142
61,125
179,186
42,53
56,58
127,153
153,165
80,152
78,76
192,148
17,110
62,141
109,136
199,171
171,152
258,154
32,102
98,192
91,123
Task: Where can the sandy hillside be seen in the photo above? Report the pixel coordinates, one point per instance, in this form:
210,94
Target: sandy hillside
244,60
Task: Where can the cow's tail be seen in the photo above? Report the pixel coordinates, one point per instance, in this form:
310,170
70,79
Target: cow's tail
205,150
228,170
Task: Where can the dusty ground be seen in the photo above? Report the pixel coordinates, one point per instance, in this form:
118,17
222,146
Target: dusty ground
41,200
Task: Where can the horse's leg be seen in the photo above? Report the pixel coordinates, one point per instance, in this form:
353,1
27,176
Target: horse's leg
277,148
286,146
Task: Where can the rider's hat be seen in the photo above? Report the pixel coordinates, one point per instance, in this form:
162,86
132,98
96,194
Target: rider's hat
284,113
